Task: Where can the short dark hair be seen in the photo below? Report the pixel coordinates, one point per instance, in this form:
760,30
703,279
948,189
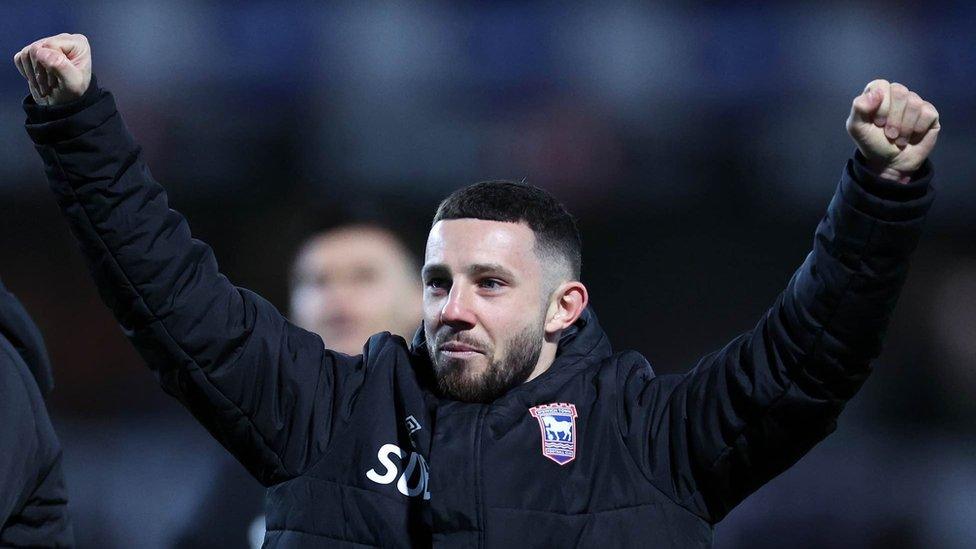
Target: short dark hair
555,229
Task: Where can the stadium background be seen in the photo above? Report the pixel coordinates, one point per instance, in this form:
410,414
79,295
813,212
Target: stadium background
698,147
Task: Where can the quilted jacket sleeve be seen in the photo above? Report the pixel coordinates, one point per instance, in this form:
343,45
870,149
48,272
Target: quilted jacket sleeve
747,412
267,390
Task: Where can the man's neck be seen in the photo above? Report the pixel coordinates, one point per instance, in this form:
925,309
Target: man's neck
546,357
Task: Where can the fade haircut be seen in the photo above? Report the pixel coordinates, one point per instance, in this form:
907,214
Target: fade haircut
555,229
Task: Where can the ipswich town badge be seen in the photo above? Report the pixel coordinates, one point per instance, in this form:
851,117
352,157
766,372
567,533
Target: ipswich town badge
557,422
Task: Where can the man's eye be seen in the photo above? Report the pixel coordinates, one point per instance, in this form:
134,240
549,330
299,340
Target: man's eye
365,275
490,283
438,283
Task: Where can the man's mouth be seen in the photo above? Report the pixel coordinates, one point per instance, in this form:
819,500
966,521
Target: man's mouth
340,325
454,349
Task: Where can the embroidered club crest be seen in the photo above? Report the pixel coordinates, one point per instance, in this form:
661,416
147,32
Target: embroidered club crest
557,422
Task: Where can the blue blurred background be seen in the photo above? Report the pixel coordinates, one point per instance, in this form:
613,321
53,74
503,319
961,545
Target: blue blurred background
698,145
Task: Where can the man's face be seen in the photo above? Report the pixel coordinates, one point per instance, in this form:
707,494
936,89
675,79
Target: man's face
352,283
484,306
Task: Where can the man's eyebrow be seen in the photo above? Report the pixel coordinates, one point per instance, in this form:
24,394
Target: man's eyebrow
434,269
483,268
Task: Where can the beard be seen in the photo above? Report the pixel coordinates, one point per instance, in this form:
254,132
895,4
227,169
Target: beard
455,380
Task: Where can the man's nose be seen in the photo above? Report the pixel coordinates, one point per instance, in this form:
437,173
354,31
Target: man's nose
457,312
340,291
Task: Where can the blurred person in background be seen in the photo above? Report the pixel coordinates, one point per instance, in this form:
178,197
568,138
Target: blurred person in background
509,358
33,497
346,284
352,282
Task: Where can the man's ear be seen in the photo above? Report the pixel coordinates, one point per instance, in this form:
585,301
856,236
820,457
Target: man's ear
568,302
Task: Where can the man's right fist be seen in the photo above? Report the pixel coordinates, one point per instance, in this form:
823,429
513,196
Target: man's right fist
894,129
58,69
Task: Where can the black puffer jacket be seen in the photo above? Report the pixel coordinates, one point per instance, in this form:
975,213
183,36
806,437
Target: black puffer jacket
598,451
33,499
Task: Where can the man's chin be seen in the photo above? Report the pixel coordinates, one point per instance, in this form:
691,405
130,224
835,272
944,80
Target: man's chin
470,381
460,380
468,392
477,377
466,364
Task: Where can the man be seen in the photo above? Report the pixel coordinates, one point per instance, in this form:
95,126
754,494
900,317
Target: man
353,281
509,421
347,283
33,499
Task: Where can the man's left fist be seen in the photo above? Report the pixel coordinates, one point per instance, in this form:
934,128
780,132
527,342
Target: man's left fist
894,129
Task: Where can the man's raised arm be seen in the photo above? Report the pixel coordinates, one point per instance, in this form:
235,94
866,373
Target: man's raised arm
263,387
747,412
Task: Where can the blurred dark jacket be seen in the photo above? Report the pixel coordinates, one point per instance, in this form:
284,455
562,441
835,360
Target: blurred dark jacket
596,451
33,498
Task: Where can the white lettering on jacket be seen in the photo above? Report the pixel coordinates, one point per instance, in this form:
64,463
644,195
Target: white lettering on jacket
419,475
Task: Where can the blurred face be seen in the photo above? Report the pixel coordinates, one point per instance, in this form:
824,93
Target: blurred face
352,283
484,308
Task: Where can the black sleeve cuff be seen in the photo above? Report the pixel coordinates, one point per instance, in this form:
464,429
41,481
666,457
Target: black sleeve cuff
884,199
50,125
39,114
891,190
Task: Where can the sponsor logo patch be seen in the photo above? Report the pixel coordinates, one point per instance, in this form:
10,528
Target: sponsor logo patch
412,424
557,423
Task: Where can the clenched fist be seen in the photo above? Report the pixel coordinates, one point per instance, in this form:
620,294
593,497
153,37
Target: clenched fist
58,69
894,129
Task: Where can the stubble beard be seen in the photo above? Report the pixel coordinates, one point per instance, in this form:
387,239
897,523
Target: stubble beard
456,382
